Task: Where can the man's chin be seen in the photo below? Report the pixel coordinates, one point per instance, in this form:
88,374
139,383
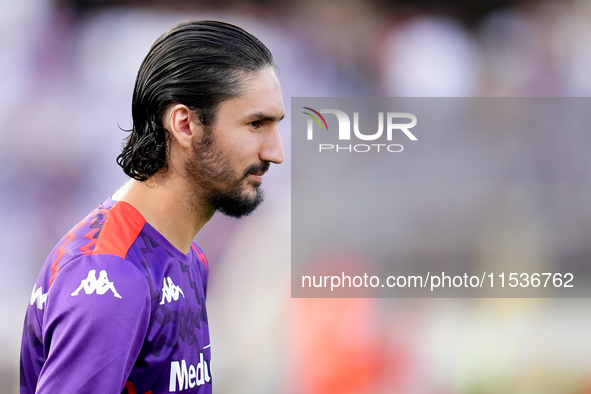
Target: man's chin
239,206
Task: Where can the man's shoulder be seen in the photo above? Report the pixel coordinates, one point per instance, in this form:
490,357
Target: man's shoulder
105,235
111,229
120,228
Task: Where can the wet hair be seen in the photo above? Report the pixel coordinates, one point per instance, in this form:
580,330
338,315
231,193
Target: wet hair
199,64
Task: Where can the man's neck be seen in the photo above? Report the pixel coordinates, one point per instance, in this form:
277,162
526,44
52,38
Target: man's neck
165,204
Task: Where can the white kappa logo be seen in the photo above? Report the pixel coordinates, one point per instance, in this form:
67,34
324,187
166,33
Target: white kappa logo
170,291
38,297
92,284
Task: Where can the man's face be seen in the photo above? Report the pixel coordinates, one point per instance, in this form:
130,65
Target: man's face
229,161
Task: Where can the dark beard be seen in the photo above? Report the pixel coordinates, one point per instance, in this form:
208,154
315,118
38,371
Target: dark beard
232,202
223,188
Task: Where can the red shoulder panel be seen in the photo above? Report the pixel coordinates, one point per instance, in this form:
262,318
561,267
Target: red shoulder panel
201,256
122,226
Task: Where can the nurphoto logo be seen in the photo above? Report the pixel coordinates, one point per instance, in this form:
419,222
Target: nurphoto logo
393,125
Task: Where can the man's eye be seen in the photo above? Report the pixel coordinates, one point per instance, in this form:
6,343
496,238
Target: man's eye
256,124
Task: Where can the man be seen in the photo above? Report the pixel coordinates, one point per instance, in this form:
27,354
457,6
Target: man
119,305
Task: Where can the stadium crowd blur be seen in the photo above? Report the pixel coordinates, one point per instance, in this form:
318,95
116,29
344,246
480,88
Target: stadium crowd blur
67,70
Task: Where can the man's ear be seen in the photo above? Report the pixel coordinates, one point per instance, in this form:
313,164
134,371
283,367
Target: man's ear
179,121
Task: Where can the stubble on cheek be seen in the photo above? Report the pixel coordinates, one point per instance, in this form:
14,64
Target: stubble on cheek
216,185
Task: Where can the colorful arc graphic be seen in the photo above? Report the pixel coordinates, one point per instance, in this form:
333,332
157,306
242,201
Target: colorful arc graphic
315,118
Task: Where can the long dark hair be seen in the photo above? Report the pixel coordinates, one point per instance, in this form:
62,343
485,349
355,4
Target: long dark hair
199,64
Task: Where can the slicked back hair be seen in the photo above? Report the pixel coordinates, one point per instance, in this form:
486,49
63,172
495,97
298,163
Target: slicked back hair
199,64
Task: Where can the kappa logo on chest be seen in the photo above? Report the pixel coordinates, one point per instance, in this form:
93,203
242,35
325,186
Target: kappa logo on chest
170,291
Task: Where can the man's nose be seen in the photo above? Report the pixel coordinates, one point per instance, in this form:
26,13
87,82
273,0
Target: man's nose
272,149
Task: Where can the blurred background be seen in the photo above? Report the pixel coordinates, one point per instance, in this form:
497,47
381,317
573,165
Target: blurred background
67,70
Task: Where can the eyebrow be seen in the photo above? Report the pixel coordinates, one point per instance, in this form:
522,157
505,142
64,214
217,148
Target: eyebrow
266,118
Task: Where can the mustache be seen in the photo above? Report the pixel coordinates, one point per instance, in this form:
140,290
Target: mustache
254,168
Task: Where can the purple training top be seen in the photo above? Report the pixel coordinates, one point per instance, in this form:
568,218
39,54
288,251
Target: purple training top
117,308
